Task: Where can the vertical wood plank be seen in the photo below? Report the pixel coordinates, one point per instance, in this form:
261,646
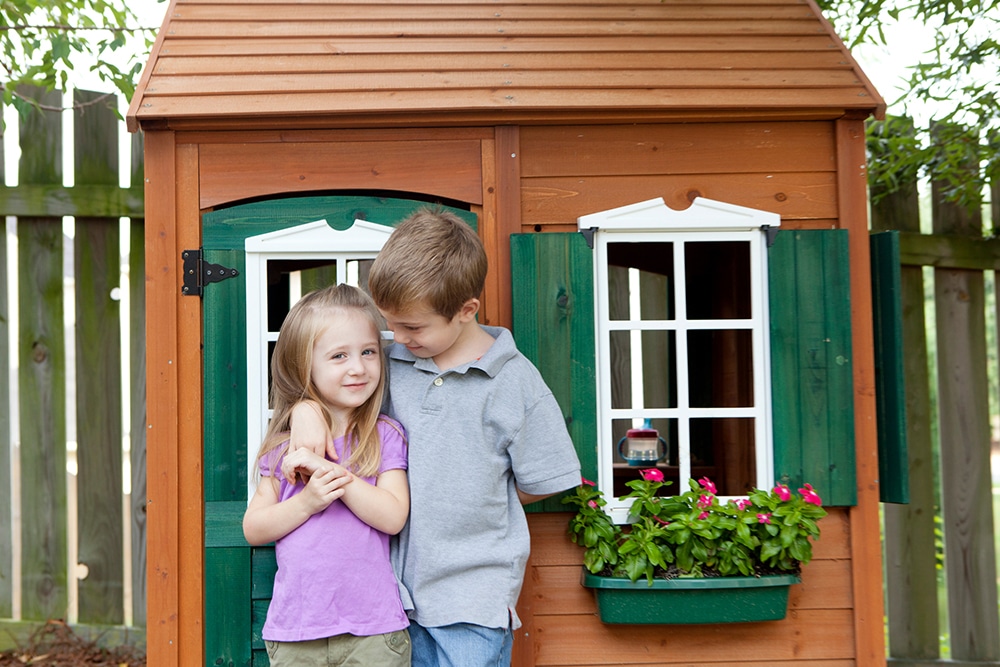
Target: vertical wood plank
6,511
970,563
42,376
852,206
162,280
554,327
910,560
811,362
98,370
190,486
507,174
137,382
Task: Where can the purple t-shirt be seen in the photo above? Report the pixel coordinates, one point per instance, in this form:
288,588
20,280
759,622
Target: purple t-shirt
334,575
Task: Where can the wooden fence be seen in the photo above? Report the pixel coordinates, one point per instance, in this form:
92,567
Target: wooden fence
944,538
72,535
72,386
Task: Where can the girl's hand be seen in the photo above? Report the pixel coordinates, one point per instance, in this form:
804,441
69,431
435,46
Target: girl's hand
325,486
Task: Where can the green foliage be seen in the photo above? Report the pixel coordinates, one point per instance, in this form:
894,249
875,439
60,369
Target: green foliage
693,534
43,41
956,77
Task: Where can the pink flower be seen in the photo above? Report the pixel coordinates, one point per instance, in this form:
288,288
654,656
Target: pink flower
704,501
652,475
764,518
587,481
810,496
592,504
743,503
783,492
703,515
707,484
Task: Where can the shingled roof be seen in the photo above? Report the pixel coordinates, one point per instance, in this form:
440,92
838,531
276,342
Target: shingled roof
357,63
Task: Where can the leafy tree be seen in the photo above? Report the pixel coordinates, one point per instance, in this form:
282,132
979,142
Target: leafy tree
957,77
42,41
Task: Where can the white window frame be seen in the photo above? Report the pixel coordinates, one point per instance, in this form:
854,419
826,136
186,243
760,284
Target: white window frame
704,220
310,241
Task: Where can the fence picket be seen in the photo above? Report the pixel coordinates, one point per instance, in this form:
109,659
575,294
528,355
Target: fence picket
98,373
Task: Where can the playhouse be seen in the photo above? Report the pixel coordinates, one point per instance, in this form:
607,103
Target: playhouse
673,199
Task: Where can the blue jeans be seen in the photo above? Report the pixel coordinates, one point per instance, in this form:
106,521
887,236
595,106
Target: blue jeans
461,645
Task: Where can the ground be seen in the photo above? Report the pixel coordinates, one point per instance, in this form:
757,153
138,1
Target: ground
55,645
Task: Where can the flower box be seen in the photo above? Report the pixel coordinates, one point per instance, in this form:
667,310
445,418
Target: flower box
691,600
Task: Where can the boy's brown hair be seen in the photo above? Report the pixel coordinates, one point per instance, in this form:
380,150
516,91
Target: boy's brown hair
433,258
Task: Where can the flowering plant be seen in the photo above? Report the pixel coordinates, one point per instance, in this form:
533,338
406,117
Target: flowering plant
693,534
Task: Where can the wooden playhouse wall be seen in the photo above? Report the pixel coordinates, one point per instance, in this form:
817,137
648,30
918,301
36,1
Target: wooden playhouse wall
835,615
521,179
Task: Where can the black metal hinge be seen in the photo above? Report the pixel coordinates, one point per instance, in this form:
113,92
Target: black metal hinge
198,273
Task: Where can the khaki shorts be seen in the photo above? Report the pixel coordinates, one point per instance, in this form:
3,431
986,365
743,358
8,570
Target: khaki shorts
389,650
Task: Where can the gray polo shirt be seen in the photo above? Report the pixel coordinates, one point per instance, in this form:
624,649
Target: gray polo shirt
474,431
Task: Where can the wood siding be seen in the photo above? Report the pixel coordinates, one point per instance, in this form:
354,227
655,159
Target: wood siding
564,628
366,63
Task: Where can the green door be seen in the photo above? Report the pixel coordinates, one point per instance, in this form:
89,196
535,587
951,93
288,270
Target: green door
238,578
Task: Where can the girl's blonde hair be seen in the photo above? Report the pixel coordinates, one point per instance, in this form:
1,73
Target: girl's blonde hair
291,381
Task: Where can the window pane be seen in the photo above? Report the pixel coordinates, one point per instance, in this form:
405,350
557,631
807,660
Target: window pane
717,280
657,437
640,281
643,369
723,450
720,368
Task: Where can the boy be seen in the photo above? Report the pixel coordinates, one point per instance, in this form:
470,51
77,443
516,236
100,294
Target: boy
485,435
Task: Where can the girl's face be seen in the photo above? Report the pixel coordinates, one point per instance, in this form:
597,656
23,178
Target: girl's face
347,362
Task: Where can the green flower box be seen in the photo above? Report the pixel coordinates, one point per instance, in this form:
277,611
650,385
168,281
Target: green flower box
676,601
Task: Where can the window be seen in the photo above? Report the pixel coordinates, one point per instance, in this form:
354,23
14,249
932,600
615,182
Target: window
281,266
682,342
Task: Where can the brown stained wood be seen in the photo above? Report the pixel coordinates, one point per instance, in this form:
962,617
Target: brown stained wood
556,590
553,79
390,62
803,636
190,485
437,26
681,44
507,165
793,196
731,55
450,169
864,517
493,13
164,577
492,102
694,148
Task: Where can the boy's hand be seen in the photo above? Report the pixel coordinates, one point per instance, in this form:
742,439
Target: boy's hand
308,431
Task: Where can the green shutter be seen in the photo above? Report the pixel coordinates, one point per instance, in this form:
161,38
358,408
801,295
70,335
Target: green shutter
553,324
811,364
890,387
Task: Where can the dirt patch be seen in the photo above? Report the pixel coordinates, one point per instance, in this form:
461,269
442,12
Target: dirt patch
55,645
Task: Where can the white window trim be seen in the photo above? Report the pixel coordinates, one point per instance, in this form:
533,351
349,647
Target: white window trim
653,221
310,241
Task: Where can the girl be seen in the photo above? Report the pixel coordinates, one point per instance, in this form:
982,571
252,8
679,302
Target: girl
336,599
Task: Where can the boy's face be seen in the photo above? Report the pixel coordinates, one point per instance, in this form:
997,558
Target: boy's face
424,332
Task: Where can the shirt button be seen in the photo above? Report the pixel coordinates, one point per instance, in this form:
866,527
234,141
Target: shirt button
438,382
